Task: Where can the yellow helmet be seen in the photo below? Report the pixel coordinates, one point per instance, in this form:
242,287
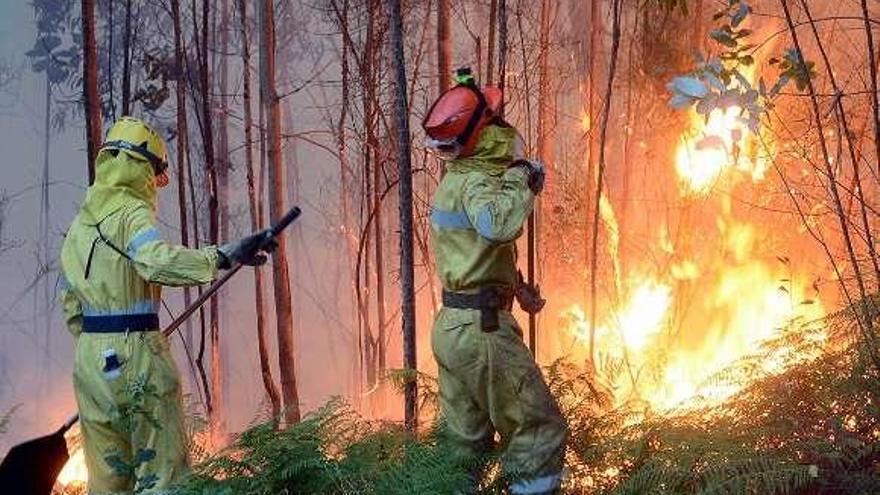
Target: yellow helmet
138,140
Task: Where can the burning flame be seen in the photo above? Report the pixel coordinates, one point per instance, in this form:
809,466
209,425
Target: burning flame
74,472
674,330
718,143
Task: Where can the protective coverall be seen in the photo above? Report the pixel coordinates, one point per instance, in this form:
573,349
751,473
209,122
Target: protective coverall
488,379
127,385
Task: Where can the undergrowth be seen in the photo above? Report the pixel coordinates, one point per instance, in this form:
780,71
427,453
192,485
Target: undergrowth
810,429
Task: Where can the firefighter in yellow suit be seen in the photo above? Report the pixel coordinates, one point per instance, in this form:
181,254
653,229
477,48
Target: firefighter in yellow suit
114,263
488,379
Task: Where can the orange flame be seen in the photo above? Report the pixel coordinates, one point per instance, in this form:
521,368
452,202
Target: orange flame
74,472
739,300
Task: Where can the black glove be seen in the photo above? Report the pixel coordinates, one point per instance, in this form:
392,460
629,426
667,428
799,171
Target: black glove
529,296
247,251
535,170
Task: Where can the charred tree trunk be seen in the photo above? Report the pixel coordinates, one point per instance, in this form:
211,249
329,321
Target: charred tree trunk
407,271
444,45
616,7
346,177
872,65
215,412
200,357
182,144
592,104
502,46
90,86
490,50
543,154
281,277
126,61
223,164
256,215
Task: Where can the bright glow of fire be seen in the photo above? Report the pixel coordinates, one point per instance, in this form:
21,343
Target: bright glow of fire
717,144
74,472
673,330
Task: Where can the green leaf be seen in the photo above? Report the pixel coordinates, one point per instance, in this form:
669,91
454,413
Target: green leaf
689,86
747,60
740,15
723,37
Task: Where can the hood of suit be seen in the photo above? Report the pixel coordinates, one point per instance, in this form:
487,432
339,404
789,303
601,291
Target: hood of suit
119,180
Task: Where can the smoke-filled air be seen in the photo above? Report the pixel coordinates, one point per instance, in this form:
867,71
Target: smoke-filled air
392,247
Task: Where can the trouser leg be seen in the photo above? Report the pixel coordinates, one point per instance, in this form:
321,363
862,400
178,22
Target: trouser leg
106,449
159,439
532,427
461,373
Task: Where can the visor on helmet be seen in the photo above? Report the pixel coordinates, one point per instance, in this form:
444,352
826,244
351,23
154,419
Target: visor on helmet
444,149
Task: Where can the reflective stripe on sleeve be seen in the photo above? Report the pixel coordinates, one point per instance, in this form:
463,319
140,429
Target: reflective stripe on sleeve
142,238
450,219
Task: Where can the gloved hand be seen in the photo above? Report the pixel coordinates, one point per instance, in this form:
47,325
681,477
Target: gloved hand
535,169
247,251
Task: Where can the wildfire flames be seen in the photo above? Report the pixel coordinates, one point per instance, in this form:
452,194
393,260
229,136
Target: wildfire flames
736,295
74,474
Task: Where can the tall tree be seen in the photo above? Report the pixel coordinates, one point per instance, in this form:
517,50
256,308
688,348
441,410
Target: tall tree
90,86
281,277
407,270
544,153
126,60
207,130
182,144
256,214
616,6
444,45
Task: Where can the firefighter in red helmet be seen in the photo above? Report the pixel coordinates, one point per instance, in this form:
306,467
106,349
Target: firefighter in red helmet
489,381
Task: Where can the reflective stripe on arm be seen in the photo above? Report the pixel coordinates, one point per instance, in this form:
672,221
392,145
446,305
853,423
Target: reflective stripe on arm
149,235
450,219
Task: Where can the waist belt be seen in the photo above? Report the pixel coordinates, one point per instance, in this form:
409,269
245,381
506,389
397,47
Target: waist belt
489,301
146,322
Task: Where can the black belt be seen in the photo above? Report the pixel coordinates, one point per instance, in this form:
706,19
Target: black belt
489,301
146,322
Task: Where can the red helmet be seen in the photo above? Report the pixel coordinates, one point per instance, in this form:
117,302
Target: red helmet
454,122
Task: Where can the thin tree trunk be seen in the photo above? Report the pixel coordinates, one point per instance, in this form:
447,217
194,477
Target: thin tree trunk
502,46
372,123
407,271
697,42
223,164
544,153
281,277
90,86
126,61
865,321
872,65
848,134
490,50
200,357
182,144
256,217
216,413
345,173
615,43
444,45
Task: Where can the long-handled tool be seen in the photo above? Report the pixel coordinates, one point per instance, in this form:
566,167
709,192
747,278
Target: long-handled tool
31,468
